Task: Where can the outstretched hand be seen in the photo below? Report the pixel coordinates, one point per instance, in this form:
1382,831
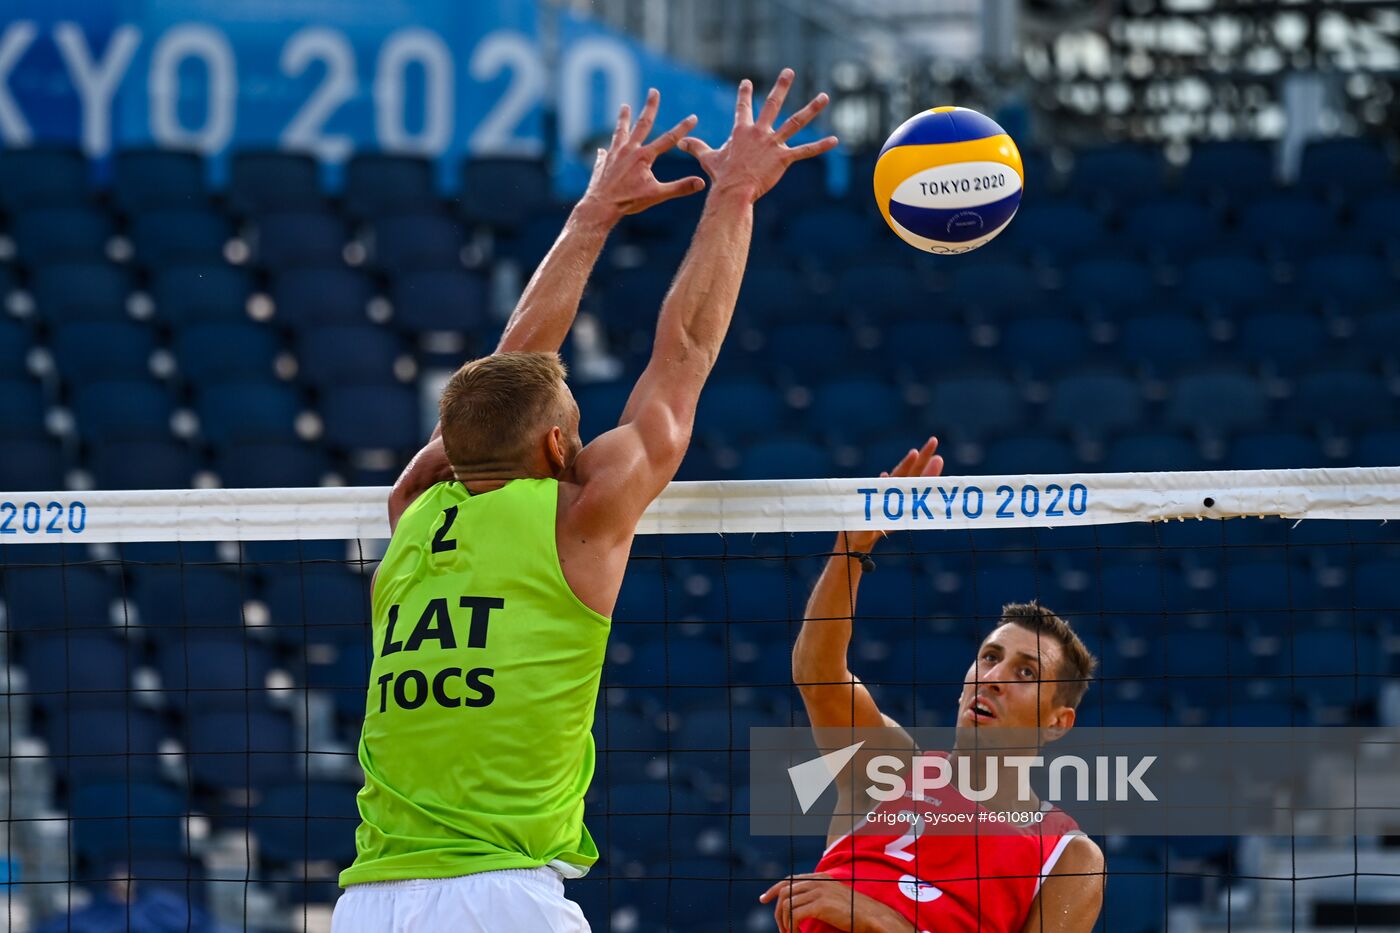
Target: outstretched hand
755,156
924,461
622,177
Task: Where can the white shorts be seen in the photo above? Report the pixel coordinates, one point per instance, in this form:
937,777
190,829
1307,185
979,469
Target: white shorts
516,900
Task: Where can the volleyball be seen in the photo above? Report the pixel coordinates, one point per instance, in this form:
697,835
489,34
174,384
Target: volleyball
948,180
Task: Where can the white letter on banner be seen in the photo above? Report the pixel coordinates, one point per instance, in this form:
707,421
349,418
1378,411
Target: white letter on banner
390,114
502,50
337,86
96,81
607,57
941,779
19,36
209,46
883,770
1081,777
1022,765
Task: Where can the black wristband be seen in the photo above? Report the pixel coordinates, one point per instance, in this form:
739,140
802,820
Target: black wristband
866,563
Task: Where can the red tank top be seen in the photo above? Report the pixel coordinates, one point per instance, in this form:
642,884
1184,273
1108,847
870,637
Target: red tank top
978,883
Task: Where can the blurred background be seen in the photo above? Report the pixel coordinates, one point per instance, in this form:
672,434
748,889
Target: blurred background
243,244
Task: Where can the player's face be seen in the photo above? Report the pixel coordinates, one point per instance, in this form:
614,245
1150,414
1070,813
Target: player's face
1012,682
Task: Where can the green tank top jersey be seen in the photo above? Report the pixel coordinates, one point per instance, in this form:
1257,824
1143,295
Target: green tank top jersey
477,745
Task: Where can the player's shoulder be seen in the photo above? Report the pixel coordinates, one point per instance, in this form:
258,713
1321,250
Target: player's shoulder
1081,856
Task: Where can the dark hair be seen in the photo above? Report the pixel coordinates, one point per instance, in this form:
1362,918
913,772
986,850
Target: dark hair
491,408
1077,663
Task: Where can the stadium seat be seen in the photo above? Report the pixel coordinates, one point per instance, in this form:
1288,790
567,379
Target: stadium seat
504,192
453,300
600,406
1150,453
1377,448
1284,338
188,597
1228,170
239,749
855,409
348,355
974,407
1027,454
1276,450
879,292
1173,229
179,235
64,665
1346,281
1109,284
298,239
1378,334
372,417
234,352
1136,899
89,291
157,179
823,236
309,298
307,822
61,234
379,183
100,351
1342,398
150,464
1056,230
1287,225
123,411
270,464
15,344
273,181
805,352
1164,342
22,410
317,605
1225,281
1355,165
1216,402
774,292
109,742
738,411
1093,404
125,819
994,289
213,670
1042,346
42,177
72,597
413,242
243,412
785,459
1118,174
919,348
1378,219
205,293
29,464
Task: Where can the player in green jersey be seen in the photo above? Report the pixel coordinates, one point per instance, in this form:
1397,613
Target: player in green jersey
491,607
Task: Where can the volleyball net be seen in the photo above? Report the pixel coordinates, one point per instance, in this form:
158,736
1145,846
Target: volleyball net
186,674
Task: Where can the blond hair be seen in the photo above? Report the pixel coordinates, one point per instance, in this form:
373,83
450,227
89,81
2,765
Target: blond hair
492,408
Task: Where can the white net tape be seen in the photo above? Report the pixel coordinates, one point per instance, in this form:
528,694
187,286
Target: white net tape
734,507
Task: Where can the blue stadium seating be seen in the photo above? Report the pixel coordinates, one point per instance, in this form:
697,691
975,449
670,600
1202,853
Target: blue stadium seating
827,234
1226,280
995,289
452,300
1287,224
123,410
94,352
1285,338
122,819
205,293
91,291
1164,341
1173,229
1275,450
270,464
1346,280
1216,402
58,234
1094,403
204,597
1342,398
974,406
784,459
42,177
22,410
372,417
854,409
15,344
878,292
213,671
108,742
66,665
157,179
917,348
379,183
1110,284
306,298
273,181
348,355
148,464
1045,345
1117,174
1377,448
85,596
166,236
29,464
1055,230
803,352
239,412
307,822
1028,453
737,410
318,605
416,241
239,749
1354,165
504,192
1148,453
1233,170
209,353
291,239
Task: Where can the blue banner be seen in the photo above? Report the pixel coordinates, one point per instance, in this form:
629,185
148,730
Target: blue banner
432,77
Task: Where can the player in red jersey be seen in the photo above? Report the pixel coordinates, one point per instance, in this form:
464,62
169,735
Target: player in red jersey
1030,673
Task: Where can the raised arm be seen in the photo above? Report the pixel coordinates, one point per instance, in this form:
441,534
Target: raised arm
834,697
622,184
622,471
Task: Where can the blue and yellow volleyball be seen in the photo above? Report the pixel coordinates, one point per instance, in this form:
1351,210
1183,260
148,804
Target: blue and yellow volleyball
948,180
